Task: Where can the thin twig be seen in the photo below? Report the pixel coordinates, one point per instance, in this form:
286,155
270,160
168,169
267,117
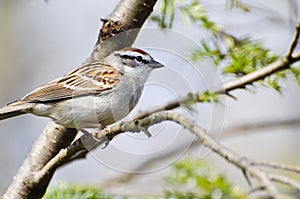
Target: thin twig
256,126
285,180
294,43
256,189
274,165
247,177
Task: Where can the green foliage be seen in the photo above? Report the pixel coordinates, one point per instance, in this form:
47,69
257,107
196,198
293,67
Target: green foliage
165,18
191,11
247,56
195,12
194,179
277,79
231,55
234,56
67,191
274,82
206,96
296,72
211,52
240,57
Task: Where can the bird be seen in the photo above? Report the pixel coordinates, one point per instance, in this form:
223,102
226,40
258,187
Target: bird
97,93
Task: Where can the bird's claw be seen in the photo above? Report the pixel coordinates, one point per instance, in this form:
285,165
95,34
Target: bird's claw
85,132
106,143
145,130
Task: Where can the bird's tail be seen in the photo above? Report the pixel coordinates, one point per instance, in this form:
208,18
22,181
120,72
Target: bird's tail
14,109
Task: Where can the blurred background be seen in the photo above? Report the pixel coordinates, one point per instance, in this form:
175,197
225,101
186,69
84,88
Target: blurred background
40,41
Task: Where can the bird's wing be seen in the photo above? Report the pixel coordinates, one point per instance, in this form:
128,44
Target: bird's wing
91,78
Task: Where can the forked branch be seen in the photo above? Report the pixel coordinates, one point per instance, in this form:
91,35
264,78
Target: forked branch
263,178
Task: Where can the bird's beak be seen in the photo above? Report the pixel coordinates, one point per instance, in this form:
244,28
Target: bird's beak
154,64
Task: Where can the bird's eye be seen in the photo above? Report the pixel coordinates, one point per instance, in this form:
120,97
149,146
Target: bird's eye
139,59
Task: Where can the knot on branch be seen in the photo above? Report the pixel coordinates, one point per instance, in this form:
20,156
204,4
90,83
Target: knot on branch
109,29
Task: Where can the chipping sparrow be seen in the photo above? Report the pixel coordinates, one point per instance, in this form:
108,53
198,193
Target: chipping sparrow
96,93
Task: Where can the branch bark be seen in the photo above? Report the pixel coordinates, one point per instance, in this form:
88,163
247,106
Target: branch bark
126,20
93,140
245,129
28,182
49,143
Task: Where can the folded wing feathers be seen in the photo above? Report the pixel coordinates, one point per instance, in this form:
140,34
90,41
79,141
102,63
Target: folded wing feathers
92,78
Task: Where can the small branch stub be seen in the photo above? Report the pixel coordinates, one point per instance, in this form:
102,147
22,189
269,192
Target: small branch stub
109,29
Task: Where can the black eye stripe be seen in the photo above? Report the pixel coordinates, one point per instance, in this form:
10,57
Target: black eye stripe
145,61
138,58
127,57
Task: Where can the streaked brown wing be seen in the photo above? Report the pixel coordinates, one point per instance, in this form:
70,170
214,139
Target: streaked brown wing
91,78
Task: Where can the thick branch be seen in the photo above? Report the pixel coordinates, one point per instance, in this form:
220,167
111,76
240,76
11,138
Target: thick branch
52,139
130,15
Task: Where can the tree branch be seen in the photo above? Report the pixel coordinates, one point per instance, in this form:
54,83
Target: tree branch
50,142
227,132
286,181
94,139
294,44
274,165
124,22
243,129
